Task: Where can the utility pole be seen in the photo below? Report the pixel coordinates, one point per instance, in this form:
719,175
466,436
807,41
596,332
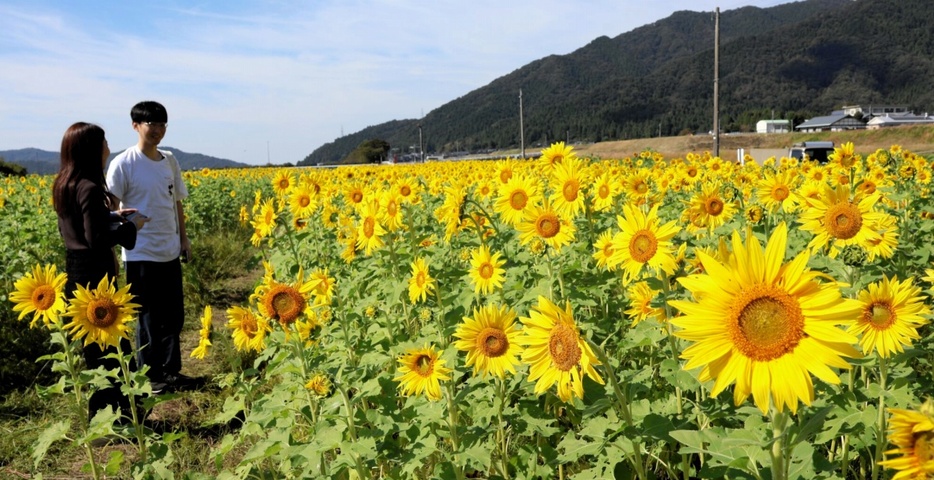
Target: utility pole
421,150
716,83
521,127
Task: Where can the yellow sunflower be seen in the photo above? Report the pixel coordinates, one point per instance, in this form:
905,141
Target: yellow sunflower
516,197
319,384
568,196
604,190
505,170
555,155
249,329
556,352
101,315
603,250
302,202
765,325
487,272
837,221
420,283
422,371
541,222
884,246
286,303
642,241
390,210
42,293
775,191
708,208
640,303
369,232
265,222
204,335
324,291
912,433
491,340
890,316
283,182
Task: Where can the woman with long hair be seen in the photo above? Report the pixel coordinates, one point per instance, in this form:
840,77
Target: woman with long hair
90,229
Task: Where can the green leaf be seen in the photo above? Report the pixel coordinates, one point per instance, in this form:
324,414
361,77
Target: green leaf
53,433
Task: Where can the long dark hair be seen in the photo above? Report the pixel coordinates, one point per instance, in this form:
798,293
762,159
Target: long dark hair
81,159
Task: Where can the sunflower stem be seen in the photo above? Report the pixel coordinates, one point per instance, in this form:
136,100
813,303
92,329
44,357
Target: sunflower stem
441,325
880,422
501,430
134,415
779,425
71,366
622,406
488,217
452,425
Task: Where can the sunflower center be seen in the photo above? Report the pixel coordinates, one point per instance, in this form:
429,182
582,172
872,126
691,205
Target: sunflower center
486,270
505,175
304,201
283,184
880,314
603,191
43,297
368,227
767,323
548,225
843,220
643,246
405,191
570,190
356,197
641,188
780,192
286,304
713,206
565,352
692,172
518,200
924,447
492,342
608,249
420,279
102,313
392,209
423,365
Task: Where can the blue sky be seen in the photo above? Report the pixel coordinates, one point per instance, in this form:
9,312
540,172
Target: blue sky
244,80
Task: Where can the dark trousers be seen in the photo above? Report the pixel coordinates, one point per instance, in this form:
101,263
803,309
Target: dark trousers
157,288
87,268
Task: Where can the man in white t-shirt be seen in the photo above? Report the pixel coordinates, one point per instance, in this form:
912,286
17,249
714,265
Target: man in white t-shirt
149,180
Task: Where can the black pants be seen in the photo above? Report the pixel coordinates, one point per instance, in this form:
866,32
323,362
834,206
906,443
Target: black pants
87,268
157,288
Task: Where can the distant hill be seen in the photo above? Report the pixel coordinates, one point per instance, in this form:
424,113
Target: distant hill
794,61
44,162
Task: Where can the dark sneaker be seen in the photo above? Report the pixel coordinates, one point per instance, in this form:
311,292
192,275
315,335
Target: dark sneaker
179,382
158,388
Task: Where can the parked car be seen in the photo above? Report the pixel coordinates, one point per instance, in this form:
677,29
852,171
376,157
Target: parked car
818,151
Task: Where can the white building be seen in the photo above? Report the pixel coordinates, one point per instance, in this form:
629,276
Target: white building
773,126
897,120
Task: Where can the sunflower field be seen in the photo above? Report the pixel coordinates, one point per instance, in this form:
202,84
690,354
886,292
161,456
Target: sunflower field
559,317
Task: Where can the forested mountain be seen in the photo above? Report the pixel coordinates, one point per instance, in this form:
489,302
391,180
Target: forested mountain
44,162
794,61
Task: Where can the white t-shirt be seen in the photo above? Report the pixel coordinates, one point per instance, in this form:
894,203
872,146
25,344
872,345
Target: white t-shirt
153,187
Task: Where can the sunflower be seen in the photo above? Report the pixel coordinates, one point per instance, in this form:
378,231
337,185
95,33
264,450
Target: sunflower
302,202
636,185
844,155
309,330
708,208
541,222
422,370
775,192
640,303
406,188
204,335
491,340
101,315
354,194
890,316
556,352
421,283
604,191
265,222
42,293
555,155
643,241
515,198
249,329
369,232
324,290
763,324
912,432
884,246
837,221
319,384
283,182
487,272
568,197
603,250
505,170
286,303
390,210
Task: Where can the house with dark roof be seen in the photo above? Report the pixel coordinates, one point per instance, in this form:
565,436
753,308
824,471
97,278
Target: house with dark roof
897,120
835,122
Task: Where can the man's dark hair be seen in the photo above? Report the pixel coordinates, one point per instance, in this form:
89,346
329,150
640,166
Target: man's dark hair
149,111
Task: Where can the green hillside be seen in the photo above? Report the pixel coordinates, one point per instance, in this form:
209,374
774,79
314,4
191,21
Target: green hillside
795,61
